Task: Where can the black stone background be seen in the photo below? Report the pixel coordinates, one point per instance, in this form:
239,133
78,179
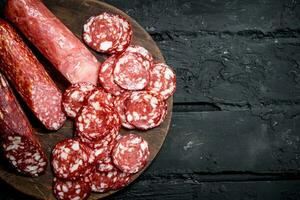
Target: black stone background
235,131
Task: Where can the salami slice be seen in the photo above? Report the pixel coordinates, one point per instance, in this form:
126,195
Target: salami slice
71,190
162,80
121,180
107,33
106,78
146,55
130,73
20,146
71,159
94,123
105,165
144,110
102,181
120,105
74,96
99,96
131,153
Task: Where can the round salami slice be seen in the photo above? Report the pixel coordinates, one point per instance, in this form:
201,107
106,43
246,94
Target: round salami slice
130,73
106,78
102,181
144,110
120,105
74,97
121,180
131,153
107,33
98,97
71,190
95,122
162,80
24,154
71,159
148,58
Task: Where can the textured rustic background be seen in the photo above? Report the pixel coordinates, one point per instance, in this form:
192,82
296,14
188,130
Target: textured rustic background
236,124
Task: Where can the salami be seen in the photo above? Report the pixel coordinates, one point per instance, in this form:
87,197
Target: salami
71,190
106,78
162,80
120,105
29,78
53,39
121,180
20,146
71,159
73,98
144,110
107,33
146,55
99,96
105,165
130,73
131,153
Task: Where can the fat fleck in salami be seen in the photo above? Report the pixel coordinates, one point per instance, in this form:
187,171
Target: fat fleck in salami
107,33
20,146
29,78
130,73
58,44
74,96
162,80
120,105
146,55
71,159
106,78
131,153
71,190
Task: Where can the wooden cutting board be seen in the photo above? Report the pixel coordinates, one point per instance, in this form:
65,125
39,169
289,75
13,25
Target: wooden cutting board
74,13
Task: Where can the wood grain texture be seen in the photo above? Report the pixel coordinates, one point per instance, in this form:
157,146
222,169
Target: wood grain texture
73,14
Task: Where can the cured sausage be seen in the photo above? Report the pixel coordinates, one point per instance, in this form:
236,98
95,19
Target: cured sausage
120,105
147,57
20,146
29,78
53,39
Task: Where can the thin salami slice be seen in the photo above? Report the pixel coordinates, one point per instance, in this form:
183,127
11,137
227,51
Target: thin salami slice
106,78
74,97
95,122
130,73
120,105
71,190
105,165
71,159
99,96
131,153
146,55
102,181
121,180
162,80
144,110
125,34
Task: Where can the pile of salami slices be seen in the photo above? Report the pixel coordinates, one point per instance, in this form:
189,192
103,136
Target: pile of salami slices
131,93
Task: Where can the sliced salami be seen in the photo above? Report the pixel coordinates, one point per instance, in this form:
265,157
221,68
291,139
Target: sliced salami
131,153
71,159
146,55
144,110
121,180
130,73
95,122
120,105
107,33
98,97
162,80
102,181
71,190
74,96
106,78
105,165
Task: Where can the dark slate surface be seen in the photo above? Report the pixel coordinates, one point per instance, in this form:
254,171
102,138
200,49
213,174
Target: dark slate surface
235,131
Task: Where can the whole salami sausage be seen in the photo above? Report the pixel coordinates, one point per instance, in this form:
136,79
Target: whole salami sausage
20,146
29,78
54,40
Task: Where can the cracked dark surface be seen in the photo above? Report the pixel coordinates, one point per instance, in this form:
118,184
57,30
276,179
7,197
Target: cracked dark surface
236,124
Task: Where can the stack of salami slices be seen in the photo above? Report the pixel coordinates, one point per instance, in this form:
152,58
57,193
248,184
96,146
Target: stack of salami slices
131,93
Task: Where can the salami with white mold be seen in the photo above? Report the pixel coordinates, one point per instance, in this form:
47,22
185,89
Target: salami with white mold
20,146
29,78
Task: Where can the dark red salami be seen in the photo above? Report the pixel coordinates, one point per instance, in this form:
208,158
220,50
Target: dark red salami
130,73
106,78
99,96
54,40
162,80
71,159
146,55
29,78
71,190
105,165
73,98
107,33
20,146
144,110
131,153
120,105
